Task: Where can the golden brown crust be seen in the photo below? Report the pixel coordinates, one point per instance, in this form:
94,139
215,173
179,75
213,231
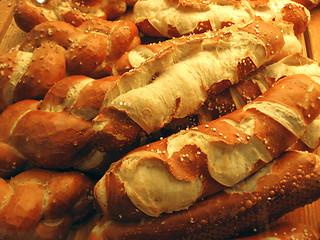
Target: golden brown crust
286,231
91,50
139,93
291,182
267,126
42,204
212,15
29,13
57,141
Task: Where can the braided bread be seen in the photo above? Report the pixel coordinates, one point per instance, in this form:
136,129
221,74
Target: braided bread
30,13
167,18
42,204
91,49
57,132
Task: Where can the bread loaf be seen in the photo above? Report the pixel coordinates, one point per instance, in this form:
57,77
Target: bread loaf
41,204
11,161
168,18
176,82
287,183
175,172
257,83
141,53
58,133
29,13
91,50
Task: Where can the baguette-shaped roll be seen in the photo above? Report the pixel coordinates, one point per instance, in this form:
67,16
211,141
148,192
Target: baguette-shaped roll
176,82
287,183
167,18
141,53
41,204
173,173
30,13
257,83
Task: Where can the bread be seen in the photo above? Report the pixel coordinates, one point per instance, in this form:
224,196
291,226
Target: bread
29,13
91,50
167,18
286,231
286,183
310,4
141,53
11,161
257,83
196,163
56,132
42,204
176,82
27,75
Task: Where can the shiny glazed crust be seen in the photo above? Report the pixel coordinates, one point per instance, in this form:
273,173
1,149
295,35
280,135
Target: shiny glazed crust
167,18
210,157
43,204
281,186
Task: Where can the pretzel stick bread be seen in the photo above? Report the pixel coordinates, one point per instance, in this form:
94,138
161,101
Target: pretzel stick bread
289,182
141,53
182,75
167,17
198,162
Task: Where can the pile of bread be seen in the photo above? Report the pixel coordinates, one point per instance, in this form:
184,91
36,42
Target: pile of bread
159,119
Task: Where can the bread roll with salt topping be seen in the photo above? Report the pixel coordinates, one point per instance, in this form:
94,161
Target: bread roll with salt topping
167,18
173,173
177,81
287,183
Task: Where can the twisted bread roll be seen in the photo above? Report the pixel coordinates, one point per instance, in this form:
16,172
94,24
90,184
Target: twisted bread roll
168,18
30,13
41,204
29,75
287,183
91,49
174,173
11,160
176,82
58,133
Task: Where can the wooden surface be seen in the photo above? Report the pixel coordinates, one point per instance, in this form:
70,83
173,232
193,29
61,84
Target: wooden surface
10,36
